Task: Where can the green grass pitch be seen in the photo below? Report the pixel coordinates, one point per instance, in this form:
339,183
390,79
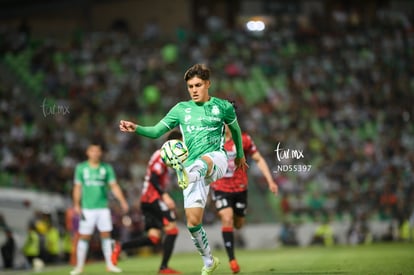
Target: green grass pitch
375,259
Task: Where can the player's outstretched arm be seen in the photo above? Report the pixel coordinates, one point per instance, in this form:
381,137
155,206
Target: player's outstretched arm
155,131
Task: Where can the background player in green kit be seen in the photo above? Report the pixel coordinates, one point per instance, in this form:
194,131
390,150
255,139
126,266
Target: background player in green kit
90,199
201,121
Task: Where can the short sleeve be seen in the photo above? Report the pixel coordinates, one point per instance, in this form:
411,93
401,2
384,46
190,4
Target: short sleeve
171,119
78,175
249,146
111,174
230,114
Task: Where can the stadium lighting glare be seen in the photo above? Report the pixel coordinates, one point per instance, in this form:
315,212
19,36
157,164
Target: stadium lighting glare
255,25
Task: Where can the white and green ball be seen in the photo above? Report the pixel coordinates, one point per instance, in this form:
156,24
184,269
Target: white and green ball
171,148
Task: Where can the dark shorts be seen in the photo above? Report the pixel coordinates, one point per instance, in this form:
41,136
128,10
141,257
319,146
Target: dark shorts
157,214
237,201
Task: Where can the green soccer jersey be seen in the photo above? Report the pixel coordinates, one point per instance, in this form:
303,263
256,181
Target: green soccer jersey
202,124
94,182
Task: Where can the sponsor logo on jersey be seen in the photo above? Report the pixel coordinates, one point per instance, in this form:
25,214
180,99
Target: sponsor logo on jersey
212,111
187,118
94,183
215,110
192,128
94,179
85,174
102,172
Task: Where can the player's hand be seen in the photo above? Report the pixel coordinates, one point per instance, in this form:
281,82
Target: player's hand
168,201
273,188
77,209
125,207
241,163
127,126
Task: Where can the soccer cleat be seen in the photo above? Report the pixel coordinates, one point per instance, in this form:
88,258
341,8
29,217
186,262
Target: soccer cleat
115,253
182,176
168,270
234,266
113,269
209,270
76,271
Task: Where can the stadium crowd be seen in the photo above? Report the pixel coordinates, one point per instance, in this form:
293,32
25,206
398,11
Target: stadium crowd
339,91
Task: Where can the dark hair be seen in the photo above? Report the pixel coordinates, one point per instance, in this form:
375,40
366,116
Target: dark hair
174,134
97,141
199,70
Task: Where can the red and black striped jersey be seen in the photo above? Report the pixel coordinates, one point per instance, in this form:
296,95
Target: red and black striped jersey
156,179
235,180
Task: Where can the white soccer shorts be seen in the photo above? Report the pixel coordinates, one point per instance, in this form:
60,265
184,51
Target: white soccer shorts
101,218
195,195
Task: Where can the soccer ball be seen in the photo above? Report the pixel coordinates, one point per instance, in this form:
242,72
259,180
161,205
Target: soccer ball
171,148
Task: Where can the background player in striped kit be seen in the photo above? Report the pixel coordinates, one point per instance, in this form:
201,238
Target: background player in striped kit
230,192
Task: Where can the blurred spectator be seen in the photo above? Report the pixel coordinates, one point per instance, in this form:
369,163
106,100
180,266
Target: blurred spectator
31,247
315,203
288,234
388,199
324,234
151,31
8,249
284,204
67,245
406,233
389,234
52,244
359,231
3,224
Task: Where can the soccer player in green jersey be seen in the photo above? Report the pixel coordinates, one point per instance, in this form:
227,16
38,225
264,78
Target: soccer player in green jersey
201,121
90,199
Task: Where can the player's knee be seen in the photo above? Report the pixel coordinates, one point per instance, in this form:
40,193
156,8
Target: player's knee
105,235
227,221
171,228
194,218
172,231
193,222
154,239
209,164
154,235
84,237
226,217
